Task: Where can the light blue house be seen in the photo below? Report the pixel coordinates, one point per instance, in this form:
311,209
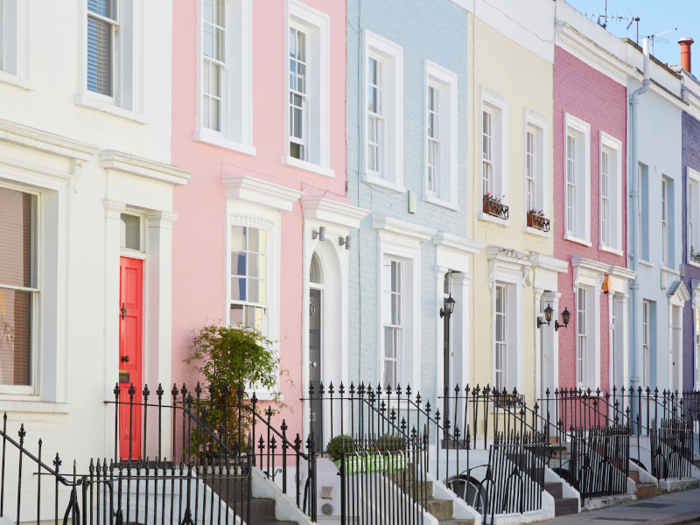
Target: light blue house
655,227
407,153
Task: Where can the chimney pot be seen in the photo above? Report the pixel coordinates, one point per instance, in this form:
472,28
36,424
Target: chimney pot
685,52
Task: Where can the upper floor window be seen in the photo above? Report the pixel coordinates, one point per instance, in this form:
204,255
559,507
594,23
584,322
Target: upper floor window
392,319
665,255
643,210
494,120
441,136
383,114
577,177
530,184
536,166
9,36
19,291
610,193
248,276
102,29
693,214
307,95
224,108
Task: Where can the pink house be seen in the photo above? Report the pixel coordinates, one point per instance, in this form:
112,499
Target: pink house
259,120
590,129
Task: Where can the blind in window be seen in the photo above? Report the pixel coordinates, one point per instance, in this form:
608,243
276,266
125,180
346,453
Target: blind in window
17,211
99,59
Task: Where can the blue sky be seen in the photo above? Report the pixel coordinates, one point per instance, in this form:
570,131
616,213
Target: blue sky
656,16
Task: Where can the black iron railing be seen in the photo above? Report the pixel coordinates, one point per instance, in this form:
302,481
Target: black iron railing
672,449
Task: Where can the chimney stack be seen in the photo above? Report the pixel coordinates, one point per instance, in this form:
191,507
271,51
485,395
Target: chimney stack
685,52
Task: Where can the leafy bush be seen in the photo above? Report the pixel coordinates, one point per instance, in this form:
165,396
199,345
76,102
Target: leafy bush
390,443
234,359
338,445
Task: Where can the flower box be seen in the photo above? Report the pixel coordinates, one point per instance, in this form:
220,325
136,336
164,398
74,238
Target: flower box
373,463
494,208
538,222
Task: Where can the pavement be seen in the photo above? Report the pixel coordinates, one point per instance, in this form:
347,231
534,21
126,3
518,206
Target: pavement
670,509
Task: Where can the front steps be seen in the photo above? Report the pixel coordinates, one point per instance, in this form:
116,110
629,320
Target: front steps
262,512
644,490
441,509
562,506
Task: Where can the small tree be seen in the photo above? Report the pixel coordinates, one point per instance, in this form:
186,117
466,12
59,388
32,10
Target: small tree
234,360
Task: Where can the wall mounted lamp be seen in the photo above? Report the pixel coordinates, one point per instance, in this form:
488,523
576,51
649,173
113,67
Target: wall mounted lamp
566,317
549,313
344,241
449,307
319,234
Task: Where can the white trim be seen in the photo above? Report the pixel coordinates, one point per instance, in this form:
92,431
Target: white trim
498,105
332,212
15,81
454,243
535,231
140,167
407,230
610,250
493,220
446,81
380,184
577,240
317,25
213,138
615,198
19,134
440,202
648,264
98,102
391,55
307,166
695,176
260,192
583,169
589,274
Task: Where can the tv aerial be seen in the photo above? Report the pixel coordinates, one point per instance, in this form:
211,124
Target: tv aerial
654,38
602,20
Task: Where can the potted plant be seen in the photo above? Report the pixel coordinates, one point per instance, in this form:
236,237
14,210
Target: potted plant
232,361
536,219
493,205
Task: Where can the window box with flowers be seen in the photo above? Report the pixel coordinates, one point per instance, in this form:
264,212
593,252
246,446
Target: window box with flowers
536,219
495,207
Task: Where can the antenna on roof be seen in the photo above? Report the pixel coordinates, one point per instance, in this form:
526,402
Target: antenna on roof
654,38
605,16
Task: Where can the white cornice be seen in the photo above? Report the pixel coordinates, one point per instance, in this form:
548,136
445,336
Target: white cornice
457,243
507,255
46,142
548,262
139,167
389,225
679,292
589,265
624,273
260,192
332,211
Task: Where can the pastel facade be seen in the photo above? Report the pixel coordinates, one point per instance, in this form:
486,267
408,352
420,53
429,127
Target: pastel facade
590,132
412,250
510,137
266,148
85,163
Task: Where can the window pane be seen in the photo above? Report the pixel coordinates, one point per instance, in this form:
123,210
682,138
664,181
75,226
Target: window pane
301,46
99,56
238,289
263,241
102,7
253,290
395,276
130,231
237,314
389,348
17,217
396,309
238,237
15,337
208,43
253,262
238,263
253,239
386,307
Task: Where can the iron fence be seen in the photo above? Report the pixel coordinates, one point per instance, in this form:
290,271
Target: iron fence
672,449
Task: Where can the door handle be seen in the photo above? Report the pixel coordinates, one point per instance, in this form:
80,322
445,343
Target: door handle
125,359
313,364
123,310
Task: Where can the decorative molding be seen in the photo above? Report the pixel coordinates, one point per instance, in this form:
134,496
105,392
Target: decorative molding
144,168
46,142
591,271
255,221
332,211
547,262
260,192
161,219
113,209
457,243
678,294
624,273
508,255
408,230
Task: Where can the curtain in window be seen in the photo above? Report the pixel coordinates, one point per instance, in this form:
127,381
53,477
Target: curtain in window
16,239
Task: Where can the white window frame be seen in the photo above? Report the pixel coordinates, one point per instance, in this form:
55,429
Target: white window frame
588,277
316,24
538,125
693,214
445,81
236,83
580,231
378,143
497,106
504,341
391,55
398,328
695,306
665,230
13,44
613,149
582,337
646,343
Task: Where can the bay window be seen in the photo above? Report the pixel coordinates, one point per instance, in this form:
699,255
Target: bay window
18,286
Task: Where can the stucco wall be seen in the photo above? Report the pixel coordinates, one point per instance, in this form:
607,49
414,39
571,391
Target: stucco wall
691,159
496,61
413,25
199,285
588,94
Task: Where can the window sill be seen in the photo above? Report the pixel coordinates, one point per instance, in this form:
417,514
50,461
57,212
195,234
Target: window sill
693,263
539,233
307,166
11,403
646,263
571,238
93,102
611,250
14,80
380,184
440,202
493,220
670,270
216,139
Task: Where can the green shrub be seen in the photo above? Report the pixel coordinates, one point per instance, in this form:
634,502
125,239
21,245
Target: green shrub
338,445
390,443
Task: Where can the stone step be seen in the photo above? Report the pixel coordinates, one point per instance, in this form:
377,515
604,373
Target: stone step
647,490
634,476
456,521
555,489
441,509
565,506
420,486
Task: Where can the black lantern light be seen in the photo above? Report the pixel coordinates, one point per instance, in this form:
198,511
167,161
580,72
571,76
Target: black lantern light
449,307
548,312
566,317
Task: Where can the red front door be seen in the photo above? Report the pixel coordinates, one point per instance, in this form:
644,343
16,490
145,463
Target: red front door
130,341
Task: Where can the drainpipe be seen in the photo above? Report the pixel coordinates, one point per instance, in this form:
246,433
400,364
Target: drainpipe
635,252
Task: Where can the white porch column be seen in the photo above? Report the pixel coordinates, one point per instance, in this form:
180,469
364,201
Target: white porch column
459,341
539,312
550,348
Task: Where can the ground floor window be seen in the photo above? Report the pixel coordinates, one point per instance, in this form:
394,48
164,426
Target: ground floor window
581,337
392,318
248,276
501,337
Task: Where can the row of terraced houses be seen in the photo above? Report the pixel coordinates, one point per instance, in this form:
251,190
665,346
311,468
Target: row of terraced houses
334,173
